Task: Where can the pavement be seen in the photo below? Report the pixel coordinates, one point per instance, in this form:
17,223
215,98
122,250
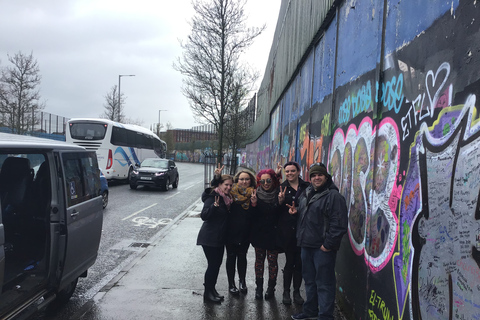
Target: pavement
165,281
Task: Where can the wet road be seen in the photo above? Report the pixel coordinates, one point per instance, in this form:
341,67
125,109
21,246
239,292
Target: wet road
131,219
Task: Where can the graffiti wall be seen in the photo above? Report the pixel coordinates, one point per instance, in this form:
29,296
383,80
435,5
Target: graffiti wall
388,100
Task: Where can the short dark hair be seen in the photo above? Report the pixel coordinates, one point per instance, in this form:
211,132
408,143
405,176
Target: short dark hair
292,163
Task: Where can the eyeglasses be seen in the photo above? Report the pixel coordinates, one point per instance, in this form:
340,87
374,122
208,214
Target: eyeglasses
266,181
317,164
244,179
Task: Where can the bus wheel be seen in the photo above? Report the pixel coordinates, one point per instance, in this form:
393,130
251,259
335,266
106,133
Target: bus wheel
167,184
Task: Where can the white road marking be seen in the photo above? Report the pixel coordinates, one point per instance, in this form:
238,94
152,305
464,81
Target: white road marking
134,214
173,195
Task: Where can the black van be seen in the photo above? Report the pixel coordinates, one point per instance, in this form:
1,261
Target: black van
50,221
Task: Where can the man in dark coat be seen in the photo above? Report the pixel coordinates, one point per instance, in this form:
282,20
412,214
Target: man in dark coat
322,222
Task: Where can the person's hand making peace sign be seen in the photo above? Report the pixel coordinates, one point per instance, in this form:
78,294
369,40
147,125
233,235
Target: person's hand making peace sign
218,170
281,195
253,199
292,209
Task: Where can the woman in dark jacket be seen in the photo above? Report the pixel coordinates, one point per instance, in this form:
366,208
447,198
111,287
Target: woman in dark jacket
290,190
264,230
212,235
238,229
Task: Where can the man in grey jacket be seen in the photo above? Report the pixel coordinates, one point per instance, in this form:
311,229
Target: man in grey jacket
322,222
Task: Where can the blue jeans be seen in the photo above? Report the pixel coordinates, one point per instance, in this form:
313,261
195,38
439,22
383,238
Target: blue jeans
318,270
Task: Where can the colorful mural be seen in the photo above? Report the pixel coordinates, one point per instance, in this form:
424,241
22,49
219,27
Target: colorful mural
400,134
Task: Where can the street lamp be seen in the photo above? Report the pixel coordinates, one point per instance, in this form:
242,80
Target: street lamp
119,101
158,128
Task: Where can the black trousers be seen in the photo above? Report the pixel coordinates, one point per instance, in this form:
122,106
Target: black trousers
236,253
214,257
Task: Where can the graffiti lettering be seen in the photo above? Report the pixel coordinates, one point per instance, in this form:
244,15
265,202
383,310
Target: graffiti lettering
392,93
326,125
378,302
344,112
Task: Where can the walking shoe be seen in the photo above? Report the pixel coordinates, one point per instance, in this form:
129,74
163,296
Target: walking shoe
303,316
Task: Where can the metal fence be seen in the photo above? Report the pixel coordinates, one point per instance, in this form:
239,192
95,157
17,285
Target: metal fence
210,164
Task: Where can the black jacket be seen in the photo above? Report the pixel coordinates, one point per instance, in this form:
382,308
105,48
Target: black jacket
323,218
287,223
239,224
264,225
213,230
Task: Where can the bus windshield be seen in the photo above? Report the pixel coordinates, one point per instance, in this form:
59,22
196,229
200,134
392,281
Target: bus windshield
88,131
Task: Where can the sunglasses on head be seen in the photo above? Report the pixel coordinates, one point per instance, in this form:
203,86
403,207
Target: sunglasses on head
266,181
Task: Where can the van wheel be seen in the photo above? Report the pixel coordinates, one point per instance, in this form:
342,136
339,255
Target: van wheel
175,183
167,184
66,293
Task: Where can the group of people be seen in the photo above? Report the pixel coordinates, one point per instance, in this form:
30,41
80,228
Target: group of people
306,221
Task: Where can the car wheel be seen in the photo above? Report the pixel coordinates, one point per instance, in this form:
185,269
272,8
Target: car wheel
167,184
175,183
133,186
105,199
129,175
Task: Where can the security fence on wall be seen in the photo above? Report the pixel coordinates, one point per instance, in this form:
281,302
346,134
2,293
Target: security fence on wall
45,125
387,98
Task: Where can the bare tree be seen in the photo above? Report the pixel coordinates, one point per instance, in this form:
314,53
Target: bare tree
111,106
19,93
236,126
211,60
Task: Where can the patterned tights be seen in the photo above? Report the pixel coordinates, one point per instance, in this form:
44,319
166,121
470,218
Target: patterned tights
272,258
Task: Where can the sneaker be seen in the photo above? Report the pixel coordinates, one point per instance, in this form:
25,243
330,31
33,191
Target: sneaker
303,316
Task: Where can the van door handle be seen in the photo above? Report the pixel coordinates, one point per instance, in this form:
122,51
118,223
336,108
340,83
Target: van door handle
74,214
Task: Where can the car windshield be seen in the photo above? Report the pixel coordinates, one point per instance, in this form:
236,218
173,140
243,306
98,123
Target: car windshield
154,163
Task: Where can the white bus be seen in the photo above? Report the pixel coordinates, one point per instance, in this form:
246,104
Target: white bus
119,147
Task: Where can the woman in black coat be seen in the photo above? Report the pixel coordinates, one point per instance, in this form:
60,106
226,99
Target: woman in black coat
290,190
264,231
238,227
212,235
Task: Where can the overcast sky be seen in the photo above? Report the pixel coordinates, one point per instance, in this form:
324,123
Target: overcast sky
82,46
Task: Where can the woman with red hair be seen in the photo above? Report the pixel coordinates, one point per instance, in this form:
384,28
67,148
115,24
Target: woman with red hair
264,230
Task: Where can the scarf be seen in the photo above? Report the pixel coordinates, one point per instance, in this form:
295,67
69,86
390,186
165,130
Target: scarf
267,196
226,197
242,195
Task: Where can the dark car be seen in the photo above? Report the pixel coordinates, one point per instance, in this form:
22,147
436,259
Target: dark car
104,189
155,172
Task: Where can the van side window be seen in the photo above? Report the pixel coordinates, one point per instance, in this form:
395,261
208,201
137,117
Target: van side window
82,177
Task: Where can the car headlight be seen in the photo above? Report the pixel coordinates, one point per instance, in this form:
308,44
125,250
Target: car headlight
135,172
159,173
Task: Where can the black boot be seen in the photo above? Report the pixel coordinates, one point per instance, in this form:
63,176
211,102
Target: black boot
287,279
259,288
286,297
270,289
242,285
297,282
218,295
209,296
233,289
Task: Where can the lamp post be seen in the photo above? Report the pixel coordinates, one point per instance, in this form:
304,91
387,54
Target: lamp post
119,101
158,127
